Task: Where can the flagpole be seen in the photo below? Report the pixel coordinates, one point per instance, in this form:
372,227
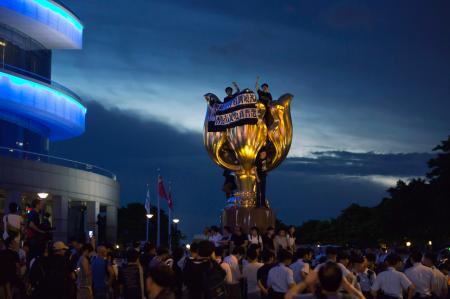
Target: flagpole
148,210
170,229
170,219
146,234
158,237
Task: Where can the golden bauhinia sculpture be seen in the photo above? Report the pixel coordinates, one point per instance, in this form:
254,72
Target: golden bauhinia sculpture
238,130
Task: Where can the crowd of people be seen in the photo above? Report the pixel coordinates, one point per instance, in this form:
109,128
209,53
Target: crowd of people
222,264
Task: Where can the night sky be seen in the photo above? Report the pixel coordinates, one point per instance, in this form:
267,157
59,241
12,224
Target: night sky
370,80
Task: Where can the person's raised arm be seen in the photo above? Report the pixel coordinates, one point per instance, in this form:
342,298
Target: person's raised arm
310,282
236,87
257,83
296,289
351,289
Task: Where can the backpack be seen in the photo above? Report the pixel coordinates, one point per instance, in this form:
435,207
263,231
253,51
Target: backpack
214,281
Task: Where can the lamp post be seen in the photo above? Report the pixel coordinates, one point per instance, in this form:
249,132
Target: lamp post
175,221
149,216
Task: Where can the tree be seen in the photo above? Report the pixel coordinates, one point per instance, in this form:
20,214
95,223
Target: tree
417,210
132,223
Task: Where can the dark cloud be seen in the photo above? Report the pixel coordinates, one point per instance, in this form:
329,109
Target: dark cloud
134,148
348,163
349,14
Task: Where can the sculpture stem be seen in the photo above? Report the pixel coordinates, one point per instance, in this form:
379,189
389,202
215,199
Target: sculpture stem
246,185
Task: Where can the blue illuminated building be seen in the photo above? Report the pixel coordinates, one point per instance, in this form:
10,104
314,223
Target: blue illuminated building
35,111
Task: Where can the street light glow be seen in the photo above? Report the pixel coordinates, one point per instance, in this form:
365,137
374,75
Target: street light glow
176,220
188,246
430,243
149,216
408,244
42,195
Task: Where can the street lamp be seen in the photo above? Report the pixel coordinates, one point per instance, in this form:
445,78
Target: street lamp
408,244
149,216
42,195
430,243
176,220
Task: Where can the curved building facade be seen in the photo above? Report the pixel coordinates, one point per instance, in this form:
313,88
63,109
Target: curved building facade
36,111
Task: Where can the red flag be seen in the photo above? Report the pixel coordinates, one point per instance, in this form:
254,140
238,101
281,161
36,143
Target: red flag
161,190
170,201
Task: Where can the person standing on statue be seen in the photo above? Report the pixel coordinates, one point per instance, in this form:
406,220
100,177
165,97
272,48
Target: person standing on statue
229,186
265,98
261,175
229,92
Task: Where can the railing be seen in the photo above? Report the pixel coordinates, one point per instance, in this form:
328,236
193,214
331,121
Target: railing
53,84
32,156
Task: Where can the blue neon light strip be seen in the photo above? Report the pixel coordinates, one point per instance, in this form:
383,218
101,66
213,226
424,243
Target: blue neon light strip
50,14
63,115
40,87
60,11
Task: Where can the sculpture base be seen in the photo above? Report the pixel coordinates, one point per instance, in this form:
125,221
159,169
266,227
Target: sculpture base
246,218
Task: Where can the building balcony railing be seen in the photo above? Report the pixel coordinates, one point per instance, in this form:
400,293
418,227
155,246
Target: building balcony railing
48,22
54,160
29,97
21,71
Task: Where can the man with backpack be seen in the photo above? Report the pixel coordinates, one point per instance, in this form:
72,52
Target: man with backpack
203,276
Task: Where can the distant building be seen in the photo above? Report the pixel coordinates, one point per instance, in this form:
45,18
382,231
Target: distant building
36,111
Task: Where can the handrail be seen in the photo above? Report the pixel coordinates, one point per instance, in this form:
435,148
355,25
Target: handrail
43,79
27,155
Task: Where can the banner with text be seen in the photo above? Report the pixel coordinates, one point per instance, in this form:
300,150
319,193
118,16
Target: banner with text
241,110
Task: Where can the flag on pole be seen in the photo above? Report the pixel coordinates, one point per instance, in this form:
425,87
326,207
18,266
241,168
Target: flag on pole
147,201
161,190
169,200
163,194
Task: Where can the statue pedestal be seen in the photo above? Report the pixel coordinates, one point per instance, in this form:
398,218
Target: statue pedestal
246,218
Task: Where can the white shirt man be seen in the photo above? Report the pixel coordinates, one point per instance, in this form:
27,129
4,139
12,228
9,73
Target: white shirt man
364,276
280,279
215,237
233,261
365,280
439,287
392,283
299,267
422,277
255,240
250,271
14,221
